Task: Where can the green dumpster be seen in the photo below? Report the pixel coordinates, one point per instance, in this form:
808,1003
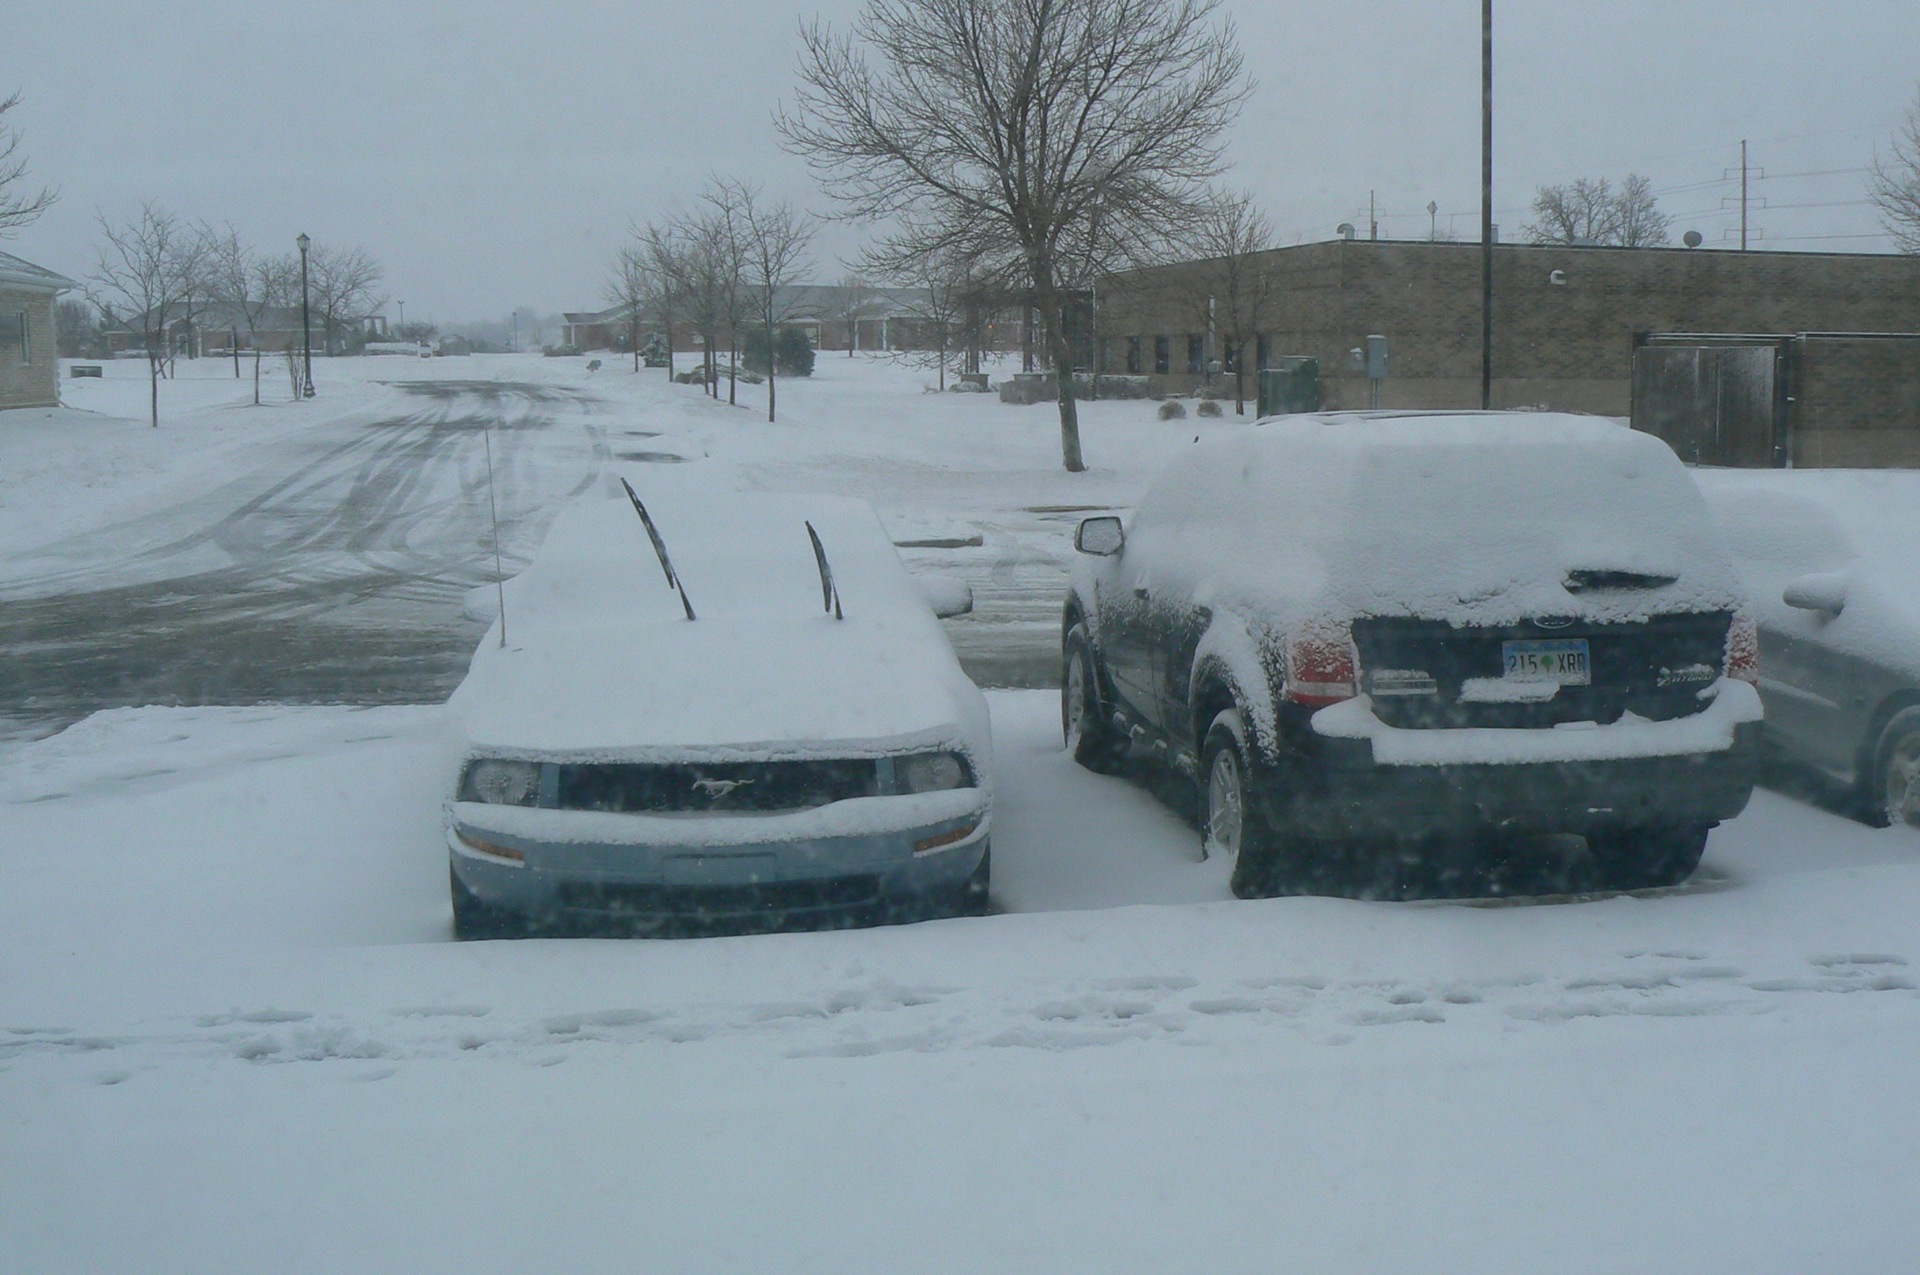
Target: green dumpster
1291,385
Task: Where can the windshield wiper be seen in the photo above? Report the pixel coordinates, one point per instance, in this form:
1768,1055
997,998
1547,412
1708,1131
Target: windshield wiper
660,548
829,591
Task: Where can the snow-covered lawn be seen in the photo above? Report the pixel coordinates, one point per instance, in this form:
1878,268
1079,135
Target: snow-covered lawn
234,1034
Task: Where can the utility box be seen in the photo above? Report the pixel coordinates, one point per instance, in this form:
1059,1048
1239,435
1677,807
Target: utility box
1292,384
1376,358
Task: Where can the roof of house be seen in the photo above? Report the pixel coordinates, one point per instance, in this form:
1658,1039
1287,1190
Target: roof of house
24,274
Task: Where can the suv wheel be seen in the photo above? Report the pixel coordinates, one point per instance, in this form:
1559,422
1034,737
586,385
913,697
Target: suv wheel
1895,798
1232,825
1647,858
1089,736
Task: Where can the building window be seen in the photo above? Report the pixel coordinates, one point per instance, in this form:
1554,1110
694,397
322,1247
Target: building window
1133,355
1162,354
1263,352
1229,356
1196,354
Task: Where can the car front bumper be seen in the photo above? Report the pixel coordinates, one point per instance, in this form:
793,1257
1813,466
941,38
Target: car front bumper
570,870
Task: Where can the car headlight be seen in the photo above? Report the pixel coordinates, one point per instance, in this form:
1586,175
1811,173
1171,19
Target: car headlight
499,782
933,772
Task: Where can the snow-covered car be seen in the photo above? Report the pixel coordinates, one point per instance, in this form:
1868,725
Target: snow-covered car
733,709
1832,561
1357,630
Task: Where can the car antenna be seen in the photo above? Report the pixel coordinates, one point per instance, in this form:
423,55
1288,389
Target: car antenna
829,591
659,548
493,515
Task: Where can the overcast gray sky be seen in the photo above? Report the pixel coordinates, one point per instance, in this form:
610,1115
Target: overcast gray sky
493,155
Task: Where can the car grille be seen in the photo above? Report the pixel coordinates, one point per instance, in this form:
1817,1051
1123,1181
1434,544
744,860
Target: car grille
762,787
1628,664
771,897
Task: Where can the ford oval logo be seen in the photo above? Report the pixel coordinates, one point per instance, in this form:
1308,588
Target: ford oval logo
1552,621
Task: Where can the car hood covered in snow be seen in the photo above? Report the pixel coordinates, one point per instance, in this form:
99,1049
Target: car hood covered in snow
1855,531
601,663
1469,518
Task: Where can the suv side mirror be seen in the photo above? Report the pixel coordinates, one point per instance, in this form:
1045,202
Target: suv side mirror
1100,536
1822,591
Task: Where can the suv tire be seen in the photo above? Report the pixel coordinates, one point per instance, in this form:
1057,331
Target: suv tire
1895,796
1084,726
1647,858
1233,822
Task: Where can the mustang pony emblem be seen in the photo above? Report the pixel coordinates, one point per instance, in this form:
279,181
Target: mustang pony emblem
718,788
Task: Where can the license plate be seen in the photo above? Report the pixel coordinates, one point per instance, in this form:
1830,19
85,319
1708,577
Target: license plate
1562,660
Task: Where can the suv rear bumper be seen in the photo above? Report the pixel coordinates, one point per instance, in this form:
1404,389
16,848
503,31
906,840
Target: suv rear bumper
1340,792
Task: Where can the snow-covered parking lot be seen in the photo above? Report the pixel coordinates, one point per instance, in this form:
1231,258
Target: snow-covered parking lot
235,1034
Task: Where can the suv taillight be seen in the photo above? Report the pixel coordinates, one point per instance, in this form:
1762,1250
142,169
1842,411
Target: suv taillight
1743,650
1320,665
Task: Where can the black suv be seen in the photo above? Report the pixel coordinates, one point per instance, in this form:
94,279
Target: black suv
1364,633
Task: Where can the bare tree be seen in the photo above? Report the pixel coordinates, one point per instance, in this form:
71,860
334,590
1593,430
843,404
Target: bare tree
19,206
250,284
853,303
1894,183
1638,221
141,278
1591,211
75,326
773,236
937,310
724,229
345,287
1230,288
706,282
1018,121
668,276
629,285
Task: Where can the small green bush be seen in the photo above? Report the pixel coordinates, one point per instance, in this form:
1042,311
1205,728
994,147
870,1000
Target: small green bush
1173,410
791,347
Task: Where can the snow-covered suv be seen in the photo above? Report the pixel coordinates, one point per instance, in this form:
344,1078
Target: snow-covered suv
1355,630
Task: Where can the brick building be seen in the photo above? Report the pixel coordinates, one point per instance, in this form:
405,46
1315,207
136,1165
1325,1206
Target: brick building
29,366
1566,320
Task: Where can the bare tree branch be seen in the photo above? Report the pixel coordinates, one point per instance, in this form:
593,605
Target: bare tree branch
1894,183
19,207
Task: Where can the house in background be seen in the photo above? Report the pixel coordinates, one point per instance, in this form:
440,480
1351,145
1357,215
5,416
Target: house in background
29,367
833,316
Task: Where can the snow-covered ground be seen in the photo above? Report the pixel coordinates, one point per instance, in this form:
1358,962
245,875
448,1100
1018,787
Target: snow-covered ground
234,1033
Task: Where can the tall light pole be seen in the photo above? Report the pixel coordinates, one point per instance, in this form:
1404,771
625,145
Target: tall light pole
306,322
1486,205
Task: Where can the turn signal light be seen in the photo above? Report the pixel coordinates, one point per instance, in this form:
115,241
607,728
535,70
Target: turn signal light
489,848
941,840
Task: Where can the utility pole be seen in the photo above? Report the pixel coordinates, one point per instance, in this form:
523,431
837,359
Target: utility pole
1373,221
1486,205
1743,194
1433,220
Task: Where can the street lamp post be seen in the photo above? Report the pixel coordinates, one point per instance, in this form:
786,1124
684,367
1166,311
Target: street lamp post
306,323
